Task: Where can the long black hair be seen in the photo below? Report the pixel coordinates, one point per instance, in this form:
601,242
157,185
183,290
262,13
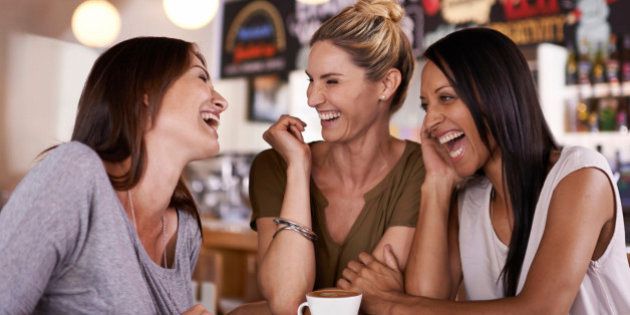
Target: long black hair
493,79
112,117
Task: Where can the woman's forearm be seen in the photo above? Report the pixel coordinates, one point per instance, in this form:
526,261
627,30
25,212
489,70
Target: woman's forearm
287,269
427,272
421,305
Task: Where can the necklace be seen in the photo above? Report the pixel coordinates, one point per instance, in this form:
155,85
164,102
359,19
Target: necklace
133,217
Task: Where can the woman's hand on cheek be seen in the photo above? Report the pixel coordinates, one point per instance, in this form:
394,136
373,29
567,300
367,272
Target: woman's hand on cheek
436,160
379,282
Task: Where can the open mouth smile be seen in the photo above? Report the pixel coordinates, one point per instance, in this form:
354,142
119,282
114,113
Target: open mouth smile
453,143
329,116
210,119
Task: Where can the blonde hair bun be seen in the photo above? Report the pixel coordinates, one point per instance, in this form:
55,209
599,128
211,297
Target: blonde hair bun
389,9
371,32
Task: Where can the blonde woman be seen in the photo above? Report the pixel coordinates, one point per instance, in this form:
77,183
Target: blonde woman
318,205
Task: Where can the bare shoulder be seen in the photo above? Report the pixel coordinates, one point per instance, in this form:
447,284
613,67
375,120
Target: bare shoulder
588,191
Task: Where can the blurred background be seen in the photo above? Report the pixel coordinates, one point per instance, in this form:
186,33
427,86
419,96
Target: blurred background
578,51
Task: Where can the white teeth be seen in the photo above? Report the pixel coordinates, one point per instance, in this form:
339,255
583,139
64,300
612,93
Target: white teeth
328,115
450,136
206,116
456,153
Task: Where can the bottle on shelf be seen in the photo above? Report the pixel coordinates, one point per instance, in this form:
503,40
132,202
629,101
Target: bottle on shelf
598,69
607,113
584,63
593,122
625,66
571,70
583,115
599,99
613,61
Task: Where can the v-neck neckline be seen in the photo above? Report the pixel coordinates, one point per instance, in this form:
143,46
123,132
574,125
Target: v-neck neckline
137,242
322,202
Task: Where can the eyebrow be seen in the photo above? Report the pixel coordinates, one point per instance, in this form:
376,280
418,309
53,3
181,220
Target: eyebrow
437,90
325,75
202,68
441,87
200,57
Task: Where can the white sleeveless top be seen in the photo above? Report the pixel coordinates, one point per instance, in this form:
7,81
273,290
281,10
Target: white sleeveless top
606,285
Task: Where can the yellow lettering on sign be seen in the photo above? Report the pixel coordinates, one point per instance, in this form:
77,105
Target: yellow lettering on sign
533,31
463,11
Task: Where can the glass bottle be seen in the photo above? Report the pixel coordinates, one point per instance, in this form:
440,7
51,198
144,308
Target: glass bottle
582,116
598,70
607,113
613,61
584,63
571,70
625,66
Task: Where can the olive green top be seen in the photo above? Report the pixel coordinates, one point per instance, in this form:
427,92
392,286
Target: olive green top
392,202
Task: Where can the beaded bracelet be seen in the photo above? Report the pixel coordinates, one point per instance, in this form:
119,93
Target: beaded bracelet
292,226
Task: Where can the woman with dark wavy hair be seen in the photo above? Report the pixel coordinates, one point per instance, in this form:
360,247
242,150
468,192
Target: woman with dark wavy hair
104,224
535,228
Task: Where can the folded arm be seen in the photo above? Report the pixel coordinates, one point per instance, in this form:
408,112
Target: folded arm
580,214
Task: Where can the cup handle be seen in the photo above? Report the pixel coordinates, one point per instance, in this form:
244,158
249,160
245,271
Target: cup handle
302,306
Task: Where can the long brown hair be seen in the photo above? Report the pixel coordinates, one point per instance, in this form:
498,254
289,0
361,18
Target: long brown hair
112,115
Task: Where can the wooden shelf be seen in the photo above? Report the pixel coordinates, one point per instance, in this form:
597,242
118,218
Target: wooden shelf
604,135
584,91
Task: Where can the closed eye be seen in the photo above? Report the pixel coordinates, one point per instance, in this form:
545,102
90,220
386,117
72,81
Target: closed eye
423,106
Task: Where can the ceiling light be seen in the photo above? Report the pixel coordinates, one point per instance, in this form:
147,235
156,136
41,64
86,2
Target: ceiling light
96,23
190,14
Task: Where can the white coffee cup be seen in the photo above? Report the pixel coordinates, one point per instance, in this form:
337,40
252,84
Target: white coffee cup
332,301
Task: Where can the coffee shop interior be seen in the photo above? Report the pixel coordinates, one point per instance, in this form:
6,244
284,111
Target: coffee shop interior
578,51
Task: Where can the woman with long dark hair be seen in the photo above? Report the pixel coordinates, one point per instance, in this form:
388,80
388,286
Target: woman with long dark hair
534,228
104,224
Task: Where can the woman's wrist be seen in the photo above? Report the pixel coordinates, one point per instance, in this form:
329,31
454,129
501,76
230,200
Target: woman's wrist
300,167
395,304
437,187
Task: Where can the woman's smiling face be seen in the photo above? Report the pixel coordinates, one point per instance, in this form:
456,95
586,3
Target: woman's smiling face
189,116
347,102
450,123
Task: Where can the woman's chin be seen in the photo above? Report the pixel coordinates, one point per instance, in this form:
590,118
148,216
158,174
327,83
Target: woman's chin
207,153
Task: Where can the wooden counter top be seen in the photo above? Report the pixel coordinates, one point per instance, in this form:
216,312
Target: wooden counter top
230,236
228,258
